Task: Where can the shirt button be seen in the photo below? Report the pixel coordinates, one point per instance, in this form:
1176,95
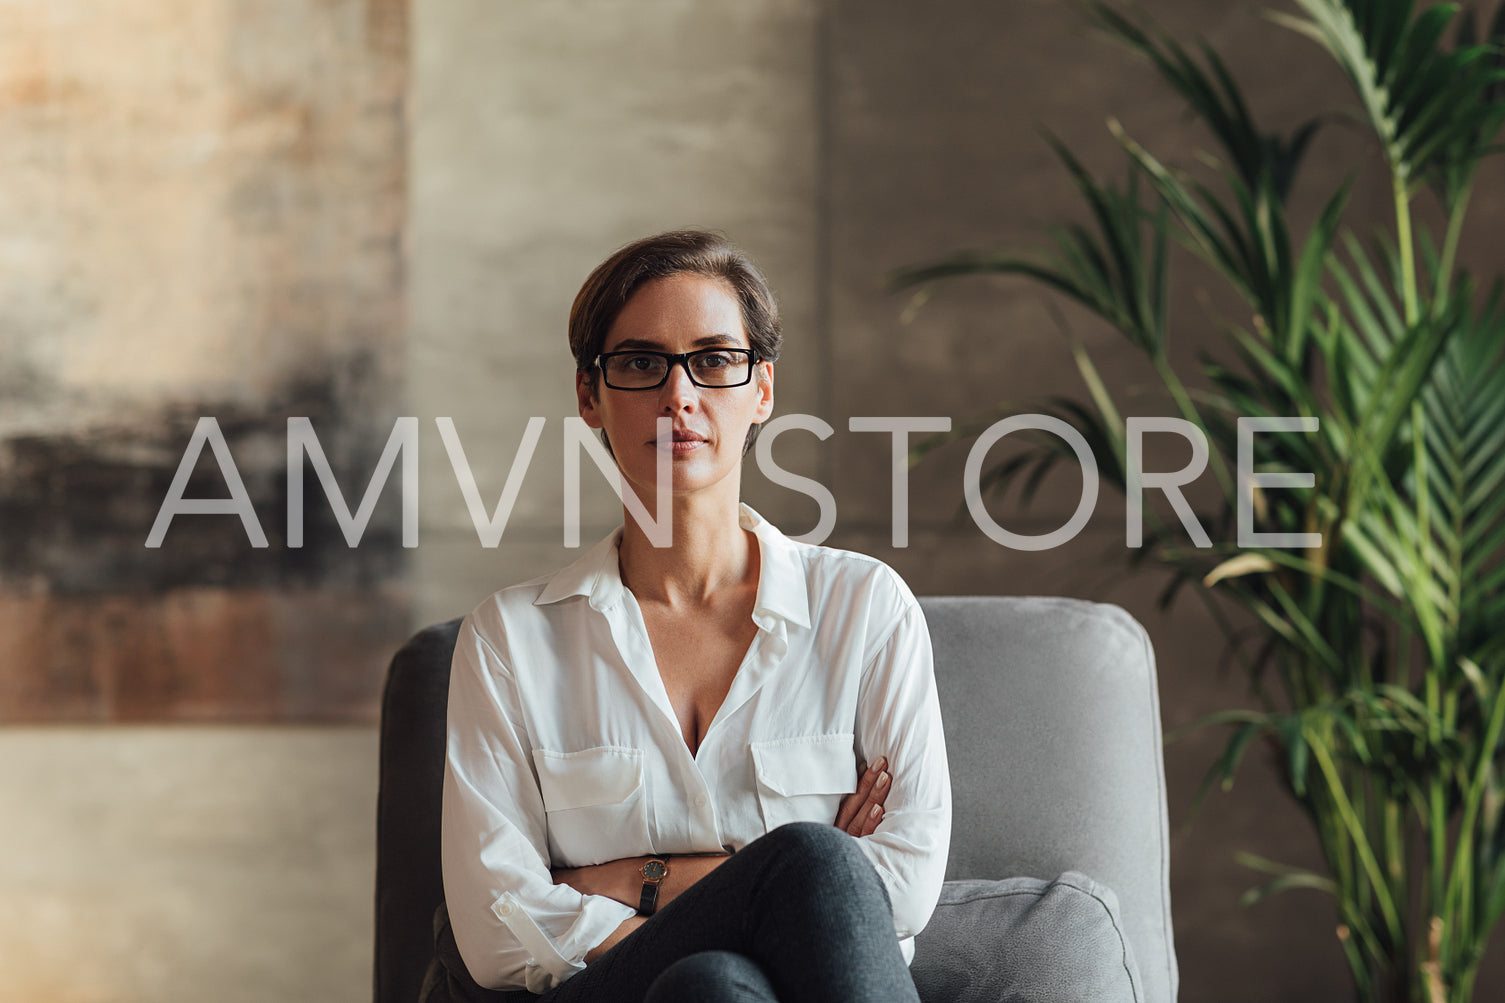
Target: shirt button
699,801
505,909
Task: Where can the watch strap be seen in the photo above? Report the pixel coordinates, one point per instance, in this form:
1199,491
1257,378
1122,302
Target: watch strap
648,901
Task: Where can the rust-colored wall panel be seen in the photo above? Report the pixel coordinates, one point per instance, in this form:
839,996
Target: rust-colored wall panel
46,673
205,655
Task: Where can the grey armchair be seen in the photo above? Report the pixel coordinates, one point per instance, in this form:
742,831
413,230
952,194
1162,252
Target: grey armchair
1053,732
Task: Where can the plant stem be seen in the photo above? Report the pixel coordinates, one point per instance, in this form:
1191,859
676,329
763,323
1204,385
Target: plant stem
1460,887
1456,214
1403,243
1394,850
1360,841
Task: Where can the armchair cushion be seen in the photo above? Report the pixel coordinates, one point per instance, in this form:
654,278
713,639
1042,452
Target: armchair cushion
1024,939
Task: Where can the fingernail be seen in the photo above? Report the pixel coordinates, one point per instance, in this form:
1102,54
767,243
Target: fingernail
875,812
883,779
881,764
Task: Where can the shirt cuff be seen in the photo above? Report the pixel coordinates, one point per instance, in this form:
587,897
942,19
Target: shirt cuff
551,962
874,854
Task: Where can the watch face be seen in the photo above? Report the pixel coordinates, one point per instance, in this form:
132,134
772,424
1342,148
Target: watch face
654,870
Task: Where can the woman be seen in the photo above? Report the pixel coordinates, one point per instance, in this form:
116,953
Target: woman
639,744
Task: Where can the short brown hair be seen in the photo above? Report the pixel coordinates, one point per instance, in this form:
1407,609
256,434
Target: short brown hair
696,252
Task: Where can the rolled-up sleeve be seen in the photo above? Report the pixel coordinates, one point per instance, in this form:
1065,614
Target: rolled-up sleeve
899,716
513,926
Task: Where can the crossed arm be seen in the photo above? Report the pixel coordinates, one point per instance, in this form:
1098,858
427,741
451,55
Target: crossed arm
859,815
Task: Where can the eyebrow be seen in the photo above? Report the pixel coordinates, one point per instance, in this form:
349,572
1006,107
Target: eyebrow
627,344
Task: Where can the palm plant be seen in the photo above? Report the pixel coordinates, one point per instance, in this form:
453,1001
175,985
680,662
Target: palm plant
1380,654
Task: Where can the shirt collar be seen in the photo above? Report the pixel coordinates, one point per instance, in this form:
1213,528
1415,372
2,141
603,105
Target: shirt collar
782,590
594,574
781,577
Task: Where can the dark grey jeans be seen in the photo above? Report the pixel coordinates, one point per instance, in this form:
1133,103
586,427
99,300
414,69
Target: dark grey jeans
798,915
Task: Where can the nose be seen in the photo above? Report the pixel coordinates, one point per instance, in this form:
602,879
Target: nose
679,392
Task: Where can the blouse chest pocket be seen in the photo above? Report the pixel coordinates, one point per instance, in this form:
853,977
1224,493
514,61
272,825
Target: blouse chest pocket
803,779
596,803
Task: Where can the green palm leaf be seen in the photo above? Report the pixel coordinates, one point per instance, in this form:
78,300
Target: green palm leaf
1451,175
1215,98
1428,105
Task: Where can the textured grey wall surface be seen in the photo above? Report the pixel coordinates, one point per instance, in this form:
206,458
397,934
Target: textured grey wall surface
226,207
544,137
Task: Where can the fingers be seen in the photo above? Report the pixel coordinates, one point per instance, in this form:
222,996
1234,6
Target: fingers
873,815
857,802
862,810
847,810
868,823
881,787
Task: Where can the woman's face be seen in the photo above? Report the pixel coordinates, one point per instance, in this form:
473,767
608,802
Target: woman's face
680,313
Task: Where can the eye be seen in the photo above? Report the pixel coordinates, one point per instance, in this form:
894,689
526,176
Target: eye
715,360
639,363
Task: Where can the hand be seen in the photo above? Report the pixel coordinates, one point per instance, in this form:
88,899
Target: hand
862,810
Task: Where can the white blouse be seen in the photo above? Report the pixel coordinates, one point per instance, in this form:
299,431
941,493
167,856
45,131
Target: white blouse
564,750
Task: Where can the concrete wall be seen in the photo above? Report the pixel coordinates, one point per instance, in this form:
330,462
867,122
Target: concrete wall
544,137
835,140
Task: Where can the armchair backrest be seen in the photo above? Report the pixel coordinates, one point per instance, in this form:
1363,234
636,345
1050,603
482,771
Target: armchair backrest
409,883
1052,728
1052,717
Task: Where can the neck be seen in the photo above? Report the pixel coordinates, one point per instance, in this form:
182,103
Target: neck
710,552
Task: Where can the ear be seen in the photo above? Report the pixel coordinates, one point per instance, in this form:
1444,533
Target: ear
765,393
585,397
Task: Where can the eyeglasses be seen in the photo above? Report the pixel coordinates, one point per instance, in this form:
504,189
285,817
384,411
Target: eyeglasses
709,367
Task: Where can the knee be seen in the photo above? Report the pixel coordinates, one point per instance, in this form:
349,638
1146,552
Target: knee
711,975
821,859
812,841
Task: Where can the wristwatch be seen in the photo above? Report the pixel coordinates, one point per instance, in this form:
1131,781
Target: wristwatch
654,871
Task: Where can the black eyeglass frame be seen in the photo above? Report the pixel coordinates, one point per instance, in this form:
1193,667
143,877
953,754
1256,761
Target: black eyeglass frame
681,359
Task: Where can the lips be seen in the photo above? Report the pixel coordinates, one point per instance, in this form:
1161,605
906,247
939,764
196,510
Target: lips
684,435
685,441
